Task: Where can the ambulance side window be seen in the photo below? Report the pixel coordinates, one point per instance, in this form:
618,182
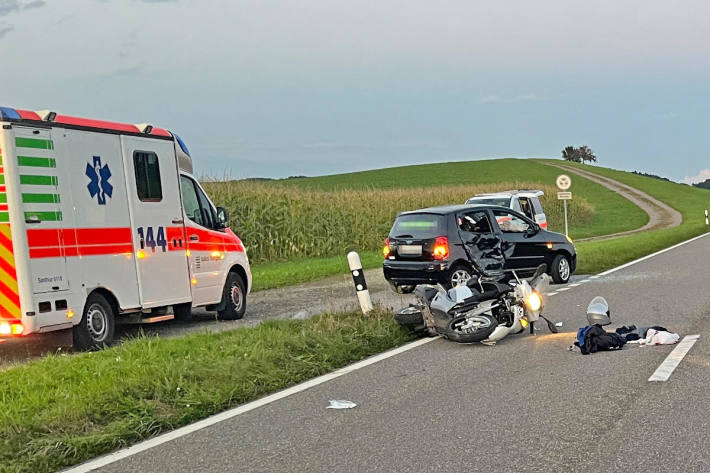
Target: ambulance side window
147,168
189,200
196,205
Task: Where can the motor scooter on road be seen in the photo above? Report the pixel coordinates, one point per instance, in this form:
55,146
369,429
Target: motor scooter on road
484,309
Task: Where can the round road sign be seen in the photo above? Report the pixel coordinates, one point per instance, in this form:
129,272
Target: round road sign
563,182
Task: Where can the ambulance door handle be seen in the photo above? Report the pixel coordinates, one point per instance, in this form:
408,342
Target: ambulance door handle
194,238
177,221
33,219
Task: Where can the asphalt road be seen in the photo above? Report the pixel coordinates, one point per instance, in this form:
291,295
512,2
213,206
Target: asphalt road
527,404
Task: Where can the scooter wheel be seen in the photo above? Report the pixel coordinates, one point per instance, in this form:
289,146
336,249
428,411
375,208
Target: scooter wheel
409,316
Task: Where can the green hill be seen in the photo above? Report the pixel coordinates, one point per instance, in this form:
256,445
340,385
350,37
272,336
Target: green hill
613,213
299,229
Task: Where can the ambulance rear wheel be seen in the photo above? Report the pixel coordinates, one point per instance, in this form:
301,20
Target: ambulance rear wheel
97,325
235,297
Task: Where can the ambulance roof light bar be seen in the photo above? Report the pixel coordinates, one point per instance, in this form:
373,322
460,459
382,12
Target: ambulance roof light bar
144,128
47,115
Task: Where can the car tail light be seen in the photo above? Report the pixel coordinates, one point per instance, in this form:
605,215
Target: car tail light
441,248
386,250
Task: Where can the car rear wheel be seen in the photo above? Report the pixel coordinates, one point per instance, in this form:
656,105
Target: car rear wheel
459,276
561,269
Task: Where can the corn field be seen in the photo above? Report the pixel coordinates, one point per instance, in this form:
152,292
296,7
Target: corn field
278,222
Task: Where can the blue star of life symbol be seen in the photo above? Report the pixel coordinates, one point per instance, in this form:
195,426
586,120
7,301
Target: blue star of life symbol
99,185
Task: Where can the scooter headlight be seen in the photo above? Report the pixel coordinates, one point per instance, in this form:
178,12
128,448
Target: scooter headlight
534,302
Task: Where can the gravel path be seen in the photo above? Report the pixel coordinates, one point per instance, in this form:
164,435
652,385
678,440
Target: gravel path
660,214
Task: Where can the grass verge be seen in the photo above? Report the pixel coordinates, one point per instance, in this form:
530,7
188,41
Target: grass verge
62,410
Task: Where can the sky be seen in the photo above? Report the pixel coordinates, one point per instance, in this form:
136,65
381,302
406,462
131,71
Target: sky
309,87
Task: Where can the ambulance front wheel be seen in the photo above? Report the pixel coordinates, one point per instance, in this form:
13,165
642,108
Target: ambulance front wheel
97,325
235,297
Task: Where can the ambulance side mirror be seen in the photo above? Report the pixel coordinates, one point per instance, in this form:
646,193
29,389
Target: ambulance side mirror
222,217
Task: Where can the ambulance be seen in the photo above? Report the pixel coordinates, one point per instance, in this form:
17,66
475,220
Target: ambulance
104,223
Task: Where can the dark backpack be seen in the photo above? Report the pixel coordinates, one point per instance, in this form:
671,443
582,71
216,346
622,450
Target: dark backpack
593,338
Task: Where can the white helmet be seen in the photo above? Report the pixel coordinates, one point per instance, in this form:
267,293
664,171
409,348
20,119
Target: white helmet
598,312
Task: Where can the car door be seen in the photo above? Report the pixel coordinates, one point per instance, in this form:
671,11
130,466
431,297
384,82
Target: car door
481,243
520,248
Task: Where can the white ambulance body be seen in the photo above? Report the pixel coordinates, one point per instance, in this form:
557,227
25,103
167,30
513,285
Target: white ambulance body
103,221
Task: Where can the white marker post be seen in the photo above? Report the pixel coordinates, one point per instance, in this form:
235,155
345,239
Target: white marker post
563,183
363,295
706,217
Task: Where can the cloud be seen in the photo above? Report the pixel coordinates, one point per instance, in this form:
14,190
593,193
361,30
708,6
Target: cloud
5,29
513,99
34,4
702,176
8,6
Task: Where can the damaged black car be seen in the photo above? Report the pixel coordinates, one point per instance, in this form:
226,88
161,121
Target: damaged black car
450,244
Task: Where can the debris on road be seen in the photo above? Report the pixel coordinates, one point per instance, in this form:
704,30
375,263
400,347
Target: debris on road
341,405
658,337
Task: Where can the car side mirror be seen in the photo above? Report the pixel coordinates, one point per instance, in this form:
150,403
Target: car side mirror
222,217
533,229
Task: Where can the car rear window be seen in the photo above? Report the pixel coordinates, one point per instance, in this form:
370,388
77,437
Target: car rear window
418,226
502,201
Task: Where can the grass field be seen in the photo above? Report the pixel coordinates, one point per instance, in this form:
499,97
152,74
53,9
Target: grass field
61,410
691,202
613,213
300,229
593,256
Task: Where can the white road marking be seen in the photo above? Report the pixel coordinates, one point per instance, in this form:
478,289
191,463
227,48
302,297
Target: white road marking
222,416
575,284
549,294
652,255
583,281
672,361
215,419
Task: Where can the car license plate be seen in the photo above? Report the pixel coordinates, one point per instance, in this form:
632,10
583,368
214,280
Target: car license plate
410,250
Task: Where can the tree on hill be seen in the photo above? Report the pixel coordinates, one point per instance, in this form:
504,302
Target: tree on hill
703,185
579,155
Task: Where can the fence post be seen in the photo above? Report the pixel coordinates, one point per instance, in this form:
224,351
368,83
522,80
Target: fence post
706,216
363,295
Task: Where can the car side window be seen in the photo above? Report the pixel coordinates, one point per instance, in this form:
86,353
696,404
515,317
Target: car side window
509,222
527,207
516,205
209,215
537,206
475,222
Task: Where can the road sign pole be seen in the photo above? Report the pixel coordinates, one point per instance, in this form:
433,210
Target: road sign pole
566,231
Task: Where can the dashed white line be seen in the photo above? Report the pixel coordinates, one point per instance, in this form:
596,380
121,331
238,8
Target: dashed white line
672,361
583,281
563,289
596,276
575,284
551,294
